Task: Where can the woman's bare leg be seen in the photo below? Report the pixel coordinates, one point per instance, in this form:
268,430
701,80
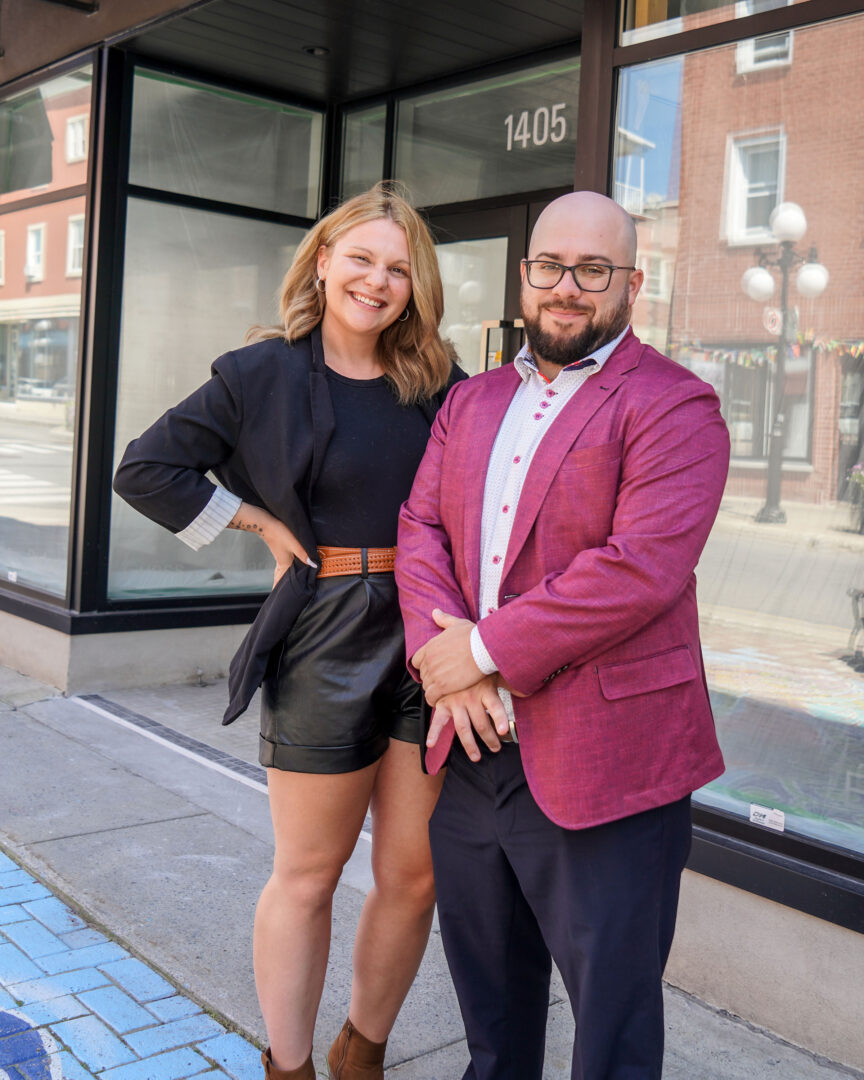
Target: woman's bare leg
397,915
316,821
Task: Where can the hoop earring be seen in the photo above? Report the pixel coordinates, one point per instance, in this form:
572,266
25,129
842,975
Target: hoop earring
319,284
404,316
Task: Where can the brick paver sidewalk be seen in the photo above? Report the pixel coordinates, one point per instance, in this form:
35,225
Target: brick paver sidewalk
75,1005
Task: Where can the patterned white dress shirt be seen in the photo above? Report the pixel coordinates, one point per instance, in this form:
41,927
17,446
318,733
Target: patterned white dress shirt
534,408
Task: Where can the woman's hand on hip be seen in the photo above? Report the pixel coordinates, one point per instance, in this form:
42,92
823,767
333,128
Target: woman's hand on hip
283,544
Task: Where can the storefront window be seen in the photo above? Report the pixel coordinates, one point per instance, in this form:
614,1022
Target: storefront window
363,136
643,20
194,284
217,144
512,133
702,159
43,174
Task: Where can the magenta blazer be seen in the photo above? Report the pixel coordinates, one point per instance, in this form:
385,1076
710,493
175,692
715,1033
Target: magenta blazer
596,619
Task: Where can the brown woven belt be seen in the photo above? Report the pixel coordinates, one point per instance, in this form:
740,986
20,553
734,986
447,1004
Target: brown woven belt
339,561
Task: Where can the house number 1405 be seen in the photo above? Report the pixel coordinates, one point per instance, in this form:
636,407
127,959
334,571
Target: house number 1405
547,124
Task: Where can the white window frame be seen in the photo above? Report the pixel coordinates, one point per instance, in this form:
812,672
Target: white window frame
747,54
736,187
748,57
661,278
71,269
76,145
2,256
35,271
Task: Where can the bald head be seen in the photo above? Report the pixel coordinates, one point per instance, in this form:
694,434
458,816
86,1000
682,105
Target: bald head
585,245
598,227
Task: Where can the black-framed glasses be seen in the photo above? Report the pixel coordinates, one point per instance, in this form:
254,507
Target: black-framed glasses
589,277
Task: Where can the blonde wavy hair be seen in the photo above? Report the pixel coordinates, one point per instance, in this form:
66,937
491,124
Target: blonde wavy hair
412,353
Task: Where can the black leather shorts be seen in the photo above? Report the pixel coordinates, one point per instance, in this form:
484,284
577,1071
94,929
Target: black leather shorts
338,690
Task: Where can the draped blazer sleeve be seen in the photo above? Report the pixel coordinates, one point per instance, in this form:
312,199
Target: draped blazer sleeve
261,424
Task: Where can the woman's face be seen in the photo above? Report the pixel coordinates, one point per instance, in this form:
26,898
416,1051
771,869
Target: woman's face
367,272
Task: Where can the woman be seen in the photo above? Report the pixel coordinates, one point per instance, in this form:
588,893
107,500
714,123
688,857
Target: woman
315,432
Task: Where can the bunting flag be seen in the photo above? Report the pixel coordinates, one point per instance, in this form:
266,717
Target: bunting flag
761,357
826,345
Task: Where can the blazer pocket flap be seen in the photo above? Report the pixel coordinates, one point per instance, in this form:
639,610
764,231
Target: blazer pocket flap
657,672
586,456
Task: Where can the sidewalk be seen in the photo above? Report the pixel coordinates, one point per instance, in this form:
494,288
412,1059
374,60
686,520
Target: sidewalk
150,823
77,1005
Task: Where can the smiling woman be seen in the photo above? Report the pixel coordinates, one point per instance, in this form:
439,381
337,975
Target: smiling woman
366,280
379,234
315,431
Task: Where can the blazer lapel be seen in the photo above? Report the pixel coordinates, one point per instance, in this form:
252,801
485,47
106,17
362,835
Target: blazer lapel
479,439
323,421
565,430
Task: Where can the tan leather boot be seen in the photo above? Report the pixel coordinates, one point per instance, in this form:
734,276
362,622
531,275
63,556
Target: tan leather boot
354,1057
305,1072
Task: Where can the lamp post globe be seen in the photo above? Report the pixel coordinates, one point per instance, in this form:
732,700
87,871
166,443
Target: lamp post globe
758,283
787,222
811,280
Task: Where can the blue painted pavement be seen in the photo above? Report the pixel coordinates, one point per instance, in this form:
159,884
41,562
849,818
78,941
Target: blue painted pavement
75,1005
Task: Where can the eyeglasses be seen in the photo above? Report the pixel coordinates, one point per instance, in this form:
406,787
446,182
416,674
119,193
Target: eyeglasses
589,277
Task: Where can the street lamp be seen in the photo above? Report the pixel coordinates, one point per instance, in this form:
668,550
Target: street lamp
788,224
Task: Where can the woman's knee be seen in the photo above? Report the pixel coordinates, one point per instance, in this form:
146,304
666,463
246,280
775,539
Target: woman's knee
411,885
310,887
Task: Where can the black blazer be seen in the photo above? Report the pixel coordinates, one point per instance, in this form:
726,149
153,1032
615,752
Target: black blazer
261,424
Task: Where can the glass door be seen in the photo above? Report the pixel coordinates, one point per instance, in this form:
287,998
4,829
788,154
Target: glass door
479,254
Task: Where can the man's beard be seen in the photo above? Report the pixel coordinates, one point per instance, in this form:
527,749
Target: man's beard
563,350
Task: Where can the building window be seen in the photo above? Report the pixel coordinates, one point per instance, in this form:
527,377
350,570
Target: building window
754,185
76,138
34,267
769,51
496,136
75,246
656,270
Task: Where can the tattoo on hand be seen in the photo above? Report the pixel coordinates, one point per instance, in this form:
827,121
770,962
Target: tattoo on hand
249,526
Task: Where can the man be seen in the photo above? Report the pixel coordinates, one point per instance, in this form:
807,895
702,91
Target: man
546,559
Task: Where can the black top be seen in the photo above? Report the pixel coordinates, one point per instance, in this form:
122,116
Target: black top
369,465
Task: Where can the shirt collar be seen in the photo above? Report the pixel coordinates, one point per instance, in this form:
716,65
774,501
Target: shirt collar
526,365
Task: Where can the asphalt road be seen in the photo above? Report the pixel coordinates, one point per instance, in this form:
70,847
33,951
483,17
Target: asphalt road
786,576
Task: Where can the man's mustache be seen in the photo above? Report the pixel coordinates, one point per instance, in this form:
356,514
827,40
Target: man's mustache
567,307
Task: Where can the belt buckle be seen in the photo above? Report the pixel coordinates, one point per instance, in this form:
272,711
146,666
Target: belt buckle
511,736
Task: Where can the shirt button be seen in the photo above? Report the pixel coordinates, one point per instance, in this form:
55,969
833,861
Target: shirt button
516,460
544,404
489,610
505,509
538,415
551,393
496,559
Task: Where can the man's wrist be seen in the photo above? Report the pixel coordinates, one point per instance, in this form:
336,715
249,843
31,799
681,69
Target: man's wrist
481,654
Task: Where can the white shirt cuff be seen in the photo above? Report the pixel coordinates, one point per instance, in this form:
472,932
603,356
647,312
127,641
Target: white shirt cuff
212,519
481,656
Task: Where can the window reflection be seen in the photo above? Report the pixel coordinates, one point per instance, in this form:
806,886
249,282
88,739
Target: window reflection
185,303
704,153
189,137
43,165
642,20
363,139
